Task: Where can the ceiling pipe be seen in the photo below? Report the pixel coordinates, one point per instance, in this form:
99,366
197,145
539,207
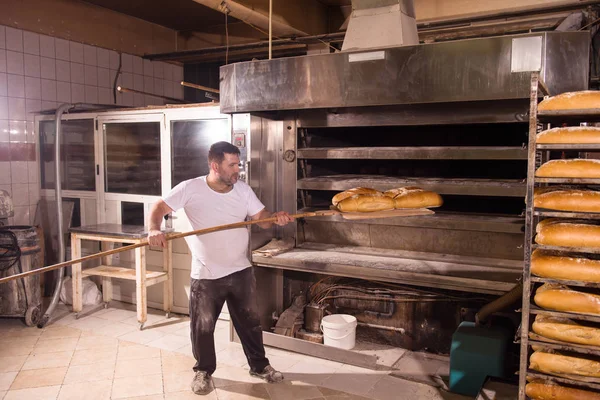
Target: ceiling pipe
250,16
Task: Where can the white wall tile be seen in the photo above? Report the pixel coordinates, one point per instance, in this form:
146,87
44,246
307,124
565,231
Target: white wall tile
48,90
90,55
77,73
159,70
2,60
114,59
138,100
76,52
16,85
63,92
3,107
34,193
5,177
62,49
18,131
14,39
168,88
4,131
168,71
158,86
47,46
177,90
49,105
31,107
148,84
16,109
31,43
48,68
103,58
31,138
138,65
104,96
14,62
91,75
104,78
91,94
31,65
127,99
33,88
177,73
77,93
33,169
148,68
127,80
138,82
127,63
20,191
63,71
21,216
3,84
18,174
2,37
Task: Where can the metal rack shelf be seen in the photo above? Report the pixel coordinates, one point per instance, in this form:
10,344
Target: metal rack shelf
535,339
536,156
416,152
565,214
565,282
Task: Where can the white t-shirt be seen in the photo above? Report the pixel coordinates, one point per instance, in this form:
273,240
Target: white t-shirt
216,254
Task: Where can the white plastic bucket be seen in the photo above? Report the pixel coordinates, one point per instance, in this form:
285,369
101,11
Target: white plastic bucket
339,330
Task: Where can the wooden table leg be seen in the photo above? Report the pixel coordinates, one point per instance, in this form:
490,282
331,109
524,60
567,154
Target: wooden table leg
140,284
76,273
168,284
107,281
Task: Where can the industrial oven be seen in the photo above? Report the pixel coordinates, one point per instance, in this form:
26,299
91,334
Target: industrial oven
449,117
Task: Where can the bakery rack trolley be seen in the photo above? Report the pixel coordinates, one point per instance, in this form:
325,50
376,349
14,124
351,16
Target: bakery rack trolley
537,154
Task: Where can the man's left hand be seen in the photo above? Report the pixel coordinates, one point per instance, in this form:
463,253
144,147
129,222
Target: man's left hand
283,218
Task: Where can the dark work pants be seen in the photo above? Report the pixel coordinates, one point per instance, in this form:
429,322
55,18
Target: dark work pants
206,301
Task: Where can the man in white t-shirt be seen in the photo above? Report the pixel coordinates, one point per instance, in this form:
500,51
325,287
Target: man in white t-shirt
220,268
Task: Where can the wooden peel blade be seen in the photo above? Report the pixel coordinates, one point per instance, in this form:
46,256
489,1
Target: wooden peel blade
170,236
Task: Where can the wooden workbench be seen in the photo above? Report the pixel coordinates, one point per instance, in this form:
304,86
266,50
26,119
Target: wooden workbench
108,235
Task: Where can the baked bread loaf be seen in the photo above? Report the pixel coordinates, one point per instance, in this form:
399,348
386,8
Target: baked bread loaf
568,200
546,390
547,265
574,168
559,364
565,330
414,197
569,235
570,135
366,203
353,192
562,298
571,101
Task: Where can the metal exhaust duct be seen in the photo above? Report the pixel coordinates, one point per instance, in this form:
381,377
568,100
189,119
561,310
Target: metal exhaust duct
381,23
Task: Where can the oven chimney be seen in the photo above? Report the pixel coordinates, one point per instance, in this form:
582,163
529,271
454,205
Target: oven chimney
381,23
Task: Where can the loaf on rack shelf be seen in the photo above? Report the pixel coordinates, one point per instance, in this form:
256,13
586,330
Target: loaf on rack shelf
548,265
538,389
362,200
570,135
584,99
549,362
569,234
414,197
566,330
568,200
573,168
562,298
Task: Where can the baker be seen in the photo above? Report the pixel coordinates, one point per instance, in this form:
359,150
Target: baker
221,271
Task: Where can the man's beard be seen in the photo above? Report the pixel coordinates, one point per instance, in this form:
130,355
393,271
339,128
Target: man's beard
228,182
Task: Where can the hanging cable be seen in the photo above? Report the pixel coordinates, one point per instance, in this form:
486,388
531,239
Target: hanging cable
226,39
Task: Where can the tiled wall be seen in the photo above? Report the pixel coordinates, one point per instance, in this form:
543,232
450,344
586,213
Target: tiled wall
40,72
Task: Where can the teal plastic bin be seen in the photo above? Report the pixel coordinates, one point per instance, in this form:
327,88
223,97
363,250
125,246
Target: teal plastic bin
476,353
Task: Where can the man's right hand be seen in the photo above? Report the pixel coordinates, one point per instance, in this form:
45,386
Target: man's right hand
157,238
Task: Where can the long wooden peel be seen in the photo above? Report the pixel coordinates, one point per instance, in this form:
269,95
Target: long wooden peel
169,237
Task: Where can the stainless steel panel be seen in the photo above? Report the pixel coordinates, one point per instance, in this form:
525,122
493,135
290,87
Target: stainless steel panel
416,153
526,54
466,70
471,187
